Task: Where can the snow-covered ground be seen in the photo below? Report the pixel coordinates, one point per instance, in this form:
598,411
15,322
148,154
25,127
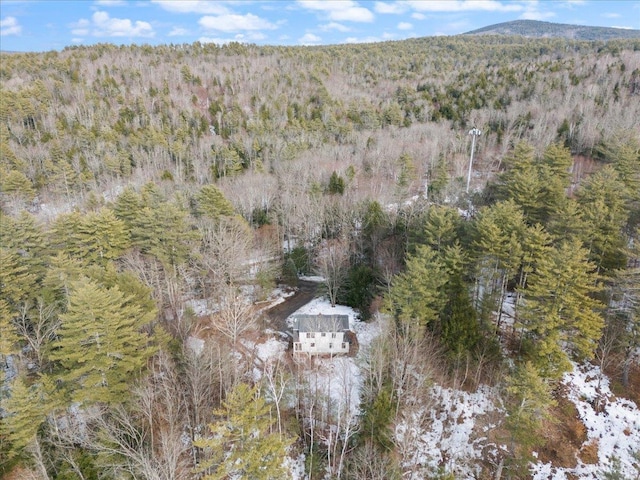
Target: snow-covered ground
276,297
615,429
312,278
445,435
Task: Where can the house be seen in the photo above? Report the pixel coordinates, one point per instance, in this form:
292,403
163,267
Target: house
320,334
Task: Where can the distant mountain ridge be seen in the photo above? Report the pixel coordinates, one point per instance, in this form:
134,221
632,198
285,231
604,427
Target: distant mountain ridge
538,29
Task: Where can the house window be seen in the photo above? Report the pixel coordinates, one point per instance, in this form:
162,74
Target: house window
313,345
323,334
344,346
331,346
333,335
311,335
297,346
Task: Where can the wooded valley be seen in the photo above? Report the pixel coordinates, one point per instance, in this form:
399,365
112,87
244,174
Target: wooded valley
139,183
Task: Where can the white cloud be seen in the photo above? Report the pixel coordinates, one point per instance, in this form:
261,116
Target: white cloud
623,28
102,25
239,37
77,40
418,16
309,39
193,6
531,12
362,40
334,26
404,26
235,23
219,41
111,3
611,15
463,6
81,27
393,8
251,36
458,27
178,32
339,10
9,26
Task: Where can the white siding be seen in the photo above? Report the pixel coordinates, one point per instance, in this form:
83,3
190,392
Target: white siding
321,343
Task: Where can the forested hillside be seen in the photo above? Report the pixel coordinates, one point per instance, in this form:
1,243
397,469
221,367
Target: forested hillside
154,200
538,29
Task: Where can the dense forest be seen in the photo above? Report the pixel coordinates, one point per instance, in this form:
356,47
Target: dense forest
137,180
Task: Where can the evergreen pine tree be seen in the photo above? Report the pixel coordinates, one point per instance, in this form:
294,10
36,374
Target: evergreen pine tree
212,203
165,233
440,227
336,184
529,402
103,237
8,336
416,296
100,347
127,207
26,408
17,283
241,444
603,208
559,312
459,327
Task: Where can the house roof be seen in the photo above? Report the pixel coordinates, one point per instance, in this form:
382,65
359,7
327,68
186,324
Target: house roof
321,323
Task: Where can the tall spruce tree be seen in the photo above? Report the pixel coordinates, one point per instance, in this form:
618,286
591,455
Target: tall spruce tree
212,203
560,318
164,232
242,443
26,407
603,208
529,398
499,244
459,327
100,347
416,296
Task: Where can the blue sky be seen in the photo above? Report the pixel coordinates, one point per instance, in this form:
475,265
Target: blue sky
30,25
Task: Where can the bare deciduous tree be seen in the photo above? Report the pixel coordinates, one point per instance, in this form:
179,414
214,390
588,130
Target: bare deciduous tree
332,264
235,315
37,325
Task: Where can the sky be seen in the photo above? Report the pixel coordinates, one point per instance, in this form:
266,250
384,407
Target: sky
43,25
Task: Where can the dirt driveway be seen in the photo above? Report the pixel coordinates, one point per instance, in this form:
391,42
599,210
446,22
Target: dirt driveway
277,316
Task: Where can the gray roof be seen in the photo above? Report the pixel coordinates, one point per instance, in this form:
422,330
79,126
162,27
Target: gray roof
321,323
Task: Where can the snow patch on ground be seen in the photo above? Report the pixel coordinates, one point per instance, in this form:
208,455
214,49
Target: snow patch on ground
295,467
276,297
201,307
615,426
270,351
312,278
443,434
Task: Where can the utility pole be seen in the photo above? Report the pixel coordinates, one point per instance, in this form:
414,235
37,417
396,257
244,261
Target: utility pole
474,132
